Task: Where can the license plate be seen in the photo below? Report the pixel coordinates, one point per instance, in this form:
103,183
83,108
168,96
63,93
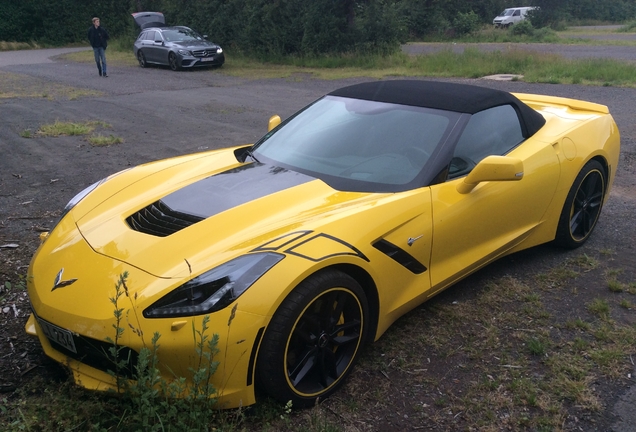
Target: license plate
207,59
58,335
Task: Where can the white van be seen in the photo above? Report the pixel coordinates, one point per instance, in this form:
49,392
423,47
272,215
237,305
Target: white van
512,16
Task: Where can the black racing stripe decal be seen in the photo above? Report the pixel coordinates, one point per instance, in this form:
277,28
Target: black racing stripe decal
232,188
280,242
400,255
250,366
341,248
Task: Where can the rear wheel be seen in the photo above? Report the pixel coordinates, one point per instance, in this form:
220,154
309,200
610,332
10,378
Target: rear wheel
141,59
314,338
172,61
582,206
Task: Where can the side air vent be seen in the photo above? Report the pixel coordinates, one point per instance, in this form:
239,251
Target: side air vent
400,255
160,220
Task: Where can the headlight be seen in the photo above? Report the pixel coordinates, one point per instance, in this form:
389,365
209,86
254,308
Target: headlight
80,196
215,289
185,52
219,50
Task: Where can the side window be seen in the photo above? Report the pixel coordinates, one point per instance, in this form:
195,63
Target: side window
494,131
150,35
517,13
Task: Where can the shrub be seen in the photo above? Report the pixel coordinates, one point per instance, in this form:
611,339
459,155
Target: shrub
466,23
523,28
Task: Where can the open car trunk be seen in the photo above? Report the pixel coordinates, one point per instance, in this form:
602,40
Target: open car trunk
149,19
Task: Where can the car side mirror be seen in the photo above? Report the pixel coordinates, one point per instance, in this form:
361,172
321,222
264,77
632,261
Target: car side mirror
273,122
492,168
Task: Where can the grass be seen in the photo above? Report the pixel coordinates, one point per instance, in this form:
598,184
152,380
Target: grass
472,63
23,86
59,128
533,363
515,59
14,46
100,140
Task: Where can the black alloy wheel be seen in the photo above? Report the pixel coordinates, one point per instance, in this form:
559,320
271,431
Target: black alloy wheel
582,206
172,61
141,59
313,339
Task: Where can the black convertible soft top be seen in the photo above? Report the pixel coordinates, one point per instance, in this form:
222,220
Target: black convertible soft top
462,98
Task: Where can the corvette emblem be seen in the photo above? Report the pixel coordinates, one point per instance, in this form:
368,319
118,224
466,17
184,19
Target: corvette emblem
59,283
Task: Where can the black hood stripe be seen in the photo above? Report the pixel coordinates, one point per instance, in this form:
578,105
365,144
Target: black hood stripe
213,195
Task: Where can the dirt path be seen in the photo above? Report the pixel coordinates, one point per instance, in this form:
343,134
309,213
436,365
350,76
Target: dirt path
160,114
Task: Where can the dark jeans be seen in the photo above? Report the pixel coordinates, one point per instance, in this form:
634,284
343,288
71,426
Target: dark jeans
100,59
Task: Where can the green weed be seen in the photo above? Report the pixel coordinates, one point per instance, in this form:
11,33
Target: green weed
100,140
599,307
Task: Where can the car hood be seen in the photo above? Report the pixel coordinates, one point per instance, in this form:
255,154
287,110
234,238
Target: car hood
181,219
149,19
193,44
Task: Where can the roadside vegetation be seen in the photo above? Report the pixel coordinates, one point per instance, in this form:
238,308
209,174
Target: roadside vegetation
471,63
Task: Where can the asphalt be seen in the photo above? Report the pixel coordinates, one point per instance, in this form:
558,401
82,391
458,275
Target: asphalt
14,58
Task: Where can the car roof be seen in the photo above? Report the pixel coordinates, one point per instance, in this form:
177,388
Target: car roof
462,98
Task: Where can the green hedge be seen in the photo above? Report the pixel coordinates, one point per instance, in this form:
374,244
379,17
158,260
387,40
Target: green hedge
281,27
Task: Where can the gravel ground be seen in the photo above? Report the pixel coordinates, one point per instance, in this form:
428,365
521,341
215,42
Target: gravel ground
161,114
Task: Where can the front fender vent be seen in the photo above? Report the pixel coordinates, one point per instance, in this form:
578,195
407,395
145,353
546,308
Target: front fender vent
400,255
160,220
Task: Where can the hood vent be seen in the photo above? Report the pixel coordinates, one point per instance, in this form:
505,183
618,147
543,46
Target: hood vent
160,220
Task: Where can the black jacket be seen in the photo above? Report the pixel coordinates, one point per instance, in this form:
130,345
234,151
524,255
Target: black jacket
98,37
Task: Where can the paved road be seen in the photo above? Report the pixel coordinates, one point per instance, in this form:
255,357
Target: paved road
11,58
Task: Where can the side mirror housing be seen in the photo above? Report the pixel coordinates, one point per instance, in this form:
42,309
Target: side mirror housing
273,122
492,168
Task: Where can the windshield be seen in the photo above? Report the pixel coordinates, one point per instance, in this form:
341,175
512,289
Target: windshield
507,12
181,35
362,142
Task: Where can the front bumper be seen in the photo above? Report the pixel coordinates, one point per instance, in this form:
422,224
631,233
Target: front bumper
233,380
75,322
213,60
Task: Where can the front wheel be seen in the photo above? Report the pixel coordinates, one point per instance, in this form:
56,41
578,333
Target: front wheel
172,62
314,338
141,59
582,206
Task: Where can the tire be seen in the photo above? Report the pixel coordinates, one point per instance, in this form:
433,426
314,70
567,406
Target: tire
172,62
313,339
141,59
582,206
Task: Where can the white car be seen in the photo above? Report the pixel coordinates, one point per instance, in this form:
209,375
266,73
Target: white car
512,16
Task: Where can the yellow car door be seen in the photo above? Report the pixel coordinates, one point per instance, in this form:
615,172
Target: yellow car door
476,224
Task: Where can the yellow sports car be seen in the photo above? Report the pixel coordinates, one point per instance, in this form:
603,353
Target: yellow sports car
306,245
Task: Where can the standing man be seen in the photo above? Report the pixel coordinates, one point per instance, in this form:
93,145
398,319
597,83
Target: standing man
98,36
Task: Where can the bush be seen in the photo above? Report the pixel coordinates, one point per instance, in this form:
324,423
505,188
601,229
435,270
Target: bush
522,28
466,23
